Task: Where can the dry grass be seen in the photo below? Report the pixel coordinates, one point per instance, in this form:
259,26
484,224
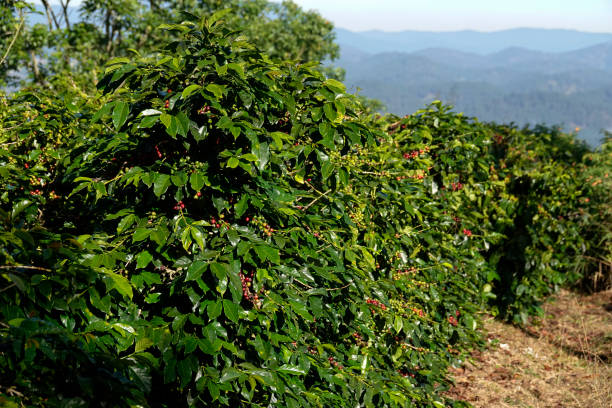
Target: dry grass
562,360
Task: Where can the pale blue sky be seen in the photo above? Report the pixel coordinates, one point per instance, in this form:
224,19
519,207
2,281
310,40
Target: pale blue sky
451,15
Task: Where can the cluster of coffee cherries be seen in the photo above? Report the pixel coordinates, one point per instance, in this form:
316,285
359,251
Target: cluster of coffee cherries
359,340
204,109
261,224
456,186
402,306
498,138
416,153
167,102
218,223
357,337
35,192
158,152
179,206
467,232
453,319
417,176
247,283
399,273
356,216
406,373
334,363
417,311
376,303
284,120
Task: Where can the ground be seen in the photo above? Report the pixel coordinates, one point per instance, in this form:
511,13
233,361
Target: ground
563,359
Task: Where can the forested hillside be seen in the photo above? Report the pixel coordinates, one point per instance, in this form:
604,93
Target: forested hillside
508,84
195,213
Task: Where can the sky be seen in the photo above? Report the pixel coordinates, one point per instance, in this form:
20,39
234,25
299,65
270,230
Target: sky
453,15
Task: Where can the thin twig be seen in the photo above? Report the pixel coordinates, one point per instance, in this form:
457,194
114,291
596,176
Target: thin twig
7,288
315,200
3,59
36,268
340,288
602,261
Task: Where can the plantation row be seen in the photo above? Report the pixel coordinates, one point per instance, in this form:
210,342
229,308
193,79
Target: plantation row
218,229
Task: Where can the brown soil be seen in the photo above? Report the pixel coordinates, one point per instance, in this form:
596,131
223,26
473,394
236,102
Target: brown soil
561,360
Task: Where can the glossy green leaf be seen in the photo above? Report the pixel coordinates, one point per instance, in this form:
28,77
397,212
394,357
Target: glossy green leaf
120,114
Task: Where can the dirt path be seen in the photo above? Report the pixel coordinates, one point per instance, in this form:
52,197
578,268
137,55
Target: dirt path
563,360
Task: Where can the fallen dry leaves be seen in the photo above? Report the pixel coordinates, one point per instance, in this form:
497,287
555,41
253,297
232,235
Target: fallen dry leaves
561,360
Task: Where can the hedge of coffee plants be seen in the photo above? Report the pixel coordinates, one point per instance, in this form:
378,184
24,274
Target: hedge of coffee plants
217,229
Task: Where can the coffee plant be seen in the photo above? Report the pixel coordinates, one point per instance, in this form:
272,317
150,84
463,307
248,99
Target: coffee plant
217,228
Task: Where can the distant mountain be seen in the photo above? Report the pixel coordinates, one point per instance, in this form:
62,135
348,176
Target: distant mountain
535,39
571,88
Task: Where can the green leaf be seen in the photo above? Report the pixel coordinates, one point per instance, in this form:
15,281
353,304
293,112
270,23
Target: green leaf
184,371
236,68
330,111
165,119
19,207
141,234
142,344
249,157
214,309
326,169
190,90
179,178
241,206
182,124
171,123
232,237
230,309
186,238
120,283
196,270
220,270
120,114
229,374
398,323
233,162
149,112
277,137
144,258
217,16
326,130
196,180
265,252
162,182
125,223
291,369
335,85
262,151
216,90
198,237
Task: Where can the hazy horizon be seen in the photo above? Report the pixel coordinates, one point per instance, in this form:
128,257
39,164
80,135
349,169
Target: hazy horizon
592,16
477,15
471,30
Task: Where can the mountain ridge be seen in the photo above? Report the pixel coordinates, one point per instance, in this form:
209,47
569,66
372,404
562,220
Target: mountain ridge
571,88
481,42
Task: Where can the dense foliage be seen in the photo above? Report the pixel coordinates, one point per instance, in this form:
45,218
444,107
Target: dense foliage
71,48
215,227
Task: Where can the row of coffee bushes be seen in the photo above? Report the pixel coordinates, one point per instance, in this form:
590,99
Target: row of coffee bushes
215,228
